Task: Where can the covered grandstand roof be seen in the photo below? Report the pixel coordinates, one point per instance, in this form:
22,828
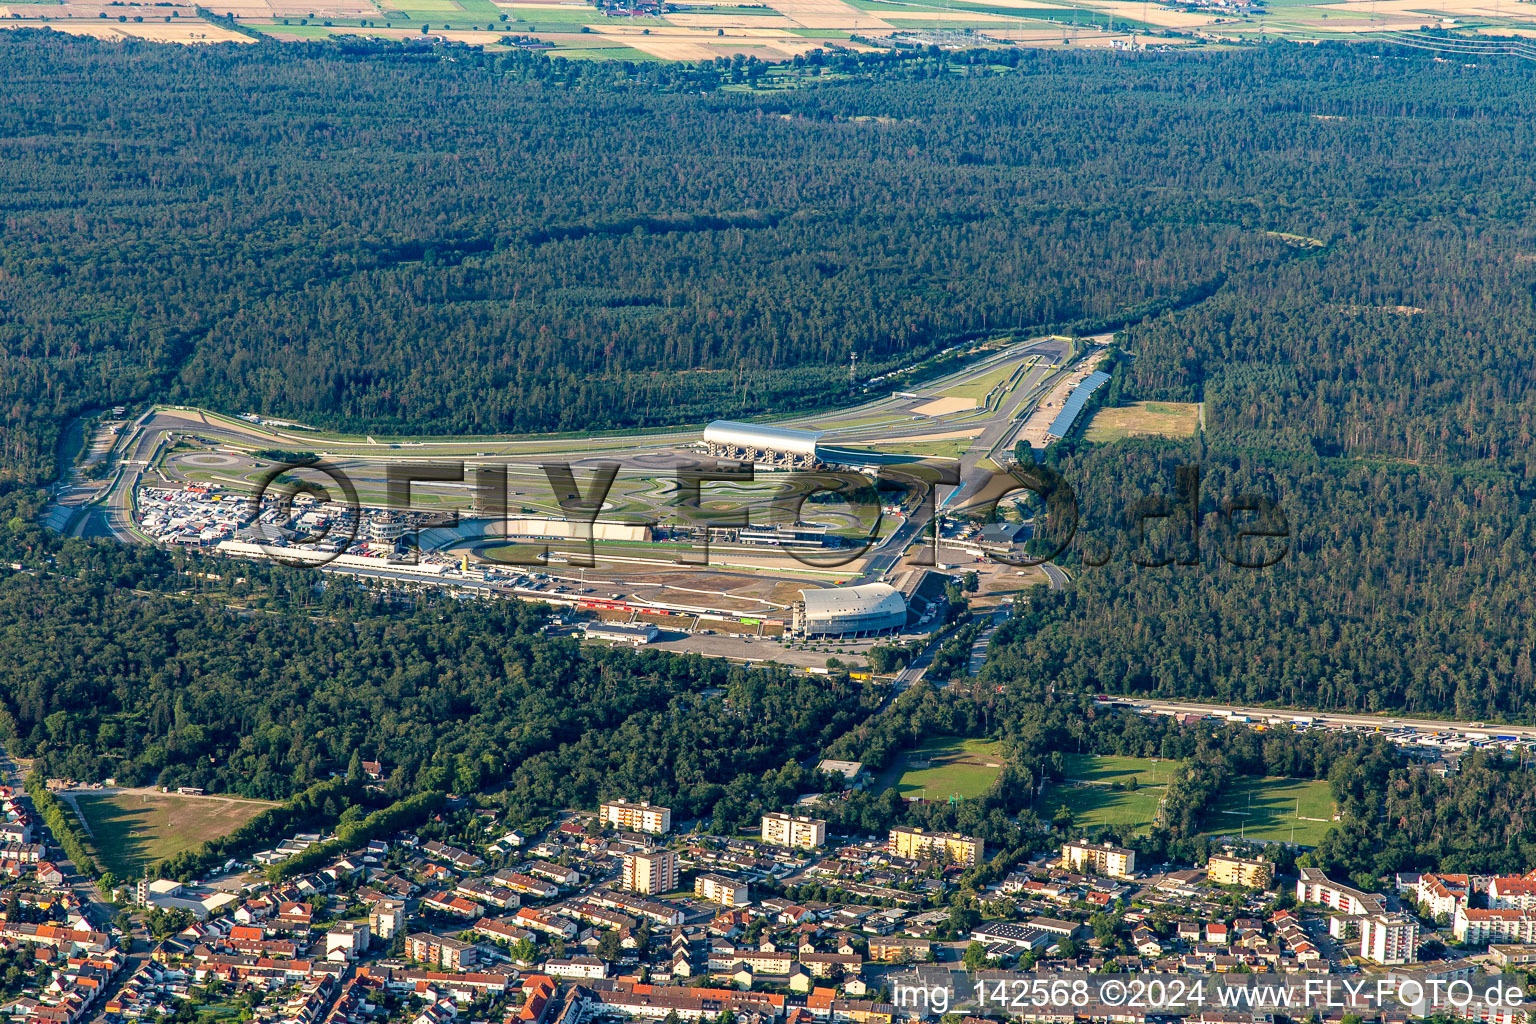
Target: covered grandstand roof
757,435
853,602
1075,402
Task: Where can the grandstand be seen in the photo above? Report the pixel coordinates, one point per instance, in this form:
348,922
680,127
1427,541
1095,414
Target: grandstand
1073,406
780,447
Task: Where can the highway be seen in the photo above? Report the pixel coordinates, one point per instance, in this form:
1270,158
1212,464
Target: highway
1338,720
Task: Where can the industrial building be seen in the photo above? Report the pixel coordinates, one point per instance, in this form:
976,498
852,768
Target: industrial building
776,447
639,635
866,610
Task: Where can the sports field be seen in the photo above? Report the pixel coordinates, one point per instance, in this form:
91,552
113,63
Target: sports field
1088,790
957,767
131,831
1268,808
1144,419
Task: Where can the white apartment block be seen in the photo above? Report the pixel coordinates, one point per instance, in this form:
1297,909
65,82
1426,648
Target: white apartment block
1389,938
650,871
1102,859
1494,925
1315,887
640,817
386,918
1513,893
728,892
1442,894
782,829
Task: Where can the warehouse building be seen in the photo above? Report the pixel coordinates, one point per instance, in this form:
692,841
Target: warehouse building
778,447
639,634
866,610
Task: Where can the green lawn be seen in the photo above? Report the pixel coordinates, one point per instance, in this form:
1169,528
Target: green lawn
979,387
959,767
951,448
1266,808
1088,790
129,832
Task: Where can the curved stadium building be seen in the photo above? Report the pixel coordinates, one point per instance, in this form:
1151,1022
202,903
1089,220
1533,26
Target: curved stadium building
762,444
850,611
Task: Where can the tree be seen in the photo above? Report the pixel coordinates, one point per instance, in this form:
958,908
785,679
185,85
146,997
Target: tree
608,946
975,957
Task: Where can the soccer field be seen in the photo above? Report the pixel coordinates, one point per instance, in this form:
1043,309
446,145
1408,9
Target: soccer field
957,767
1299,810
131,831
1088,790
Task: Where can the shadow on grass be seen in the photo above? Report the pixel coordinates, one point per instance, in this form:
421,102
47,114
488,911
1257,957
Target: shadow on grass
121,835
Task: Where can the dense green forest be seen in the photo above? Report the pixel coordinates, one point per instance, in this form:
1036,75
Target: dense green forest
455,696
382,239
1333,248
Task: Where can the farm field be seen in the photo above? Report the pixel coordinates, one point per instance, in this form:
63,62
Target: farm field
1088,792
772,31
131,831
958,767
1144,419
1267,808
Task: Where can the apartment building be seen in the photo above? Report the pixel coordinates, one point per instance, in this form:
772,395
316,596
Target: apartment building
894,948
1312,886
1389,938
727,892
1513,893
1225,869
1442,894
386,918
782,829
1494,925
1099,859
650,871
640,817
915,844
449,954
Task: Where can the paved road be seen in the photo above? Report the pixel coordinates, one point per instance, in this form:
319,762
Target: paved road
979,645
1339,720
1056,577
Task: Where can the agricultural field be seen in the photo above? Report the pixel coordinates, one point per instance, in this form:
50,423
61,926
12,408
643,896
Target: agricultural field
957,767
132,830
773,31
1299,810
1088,790
1144,419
